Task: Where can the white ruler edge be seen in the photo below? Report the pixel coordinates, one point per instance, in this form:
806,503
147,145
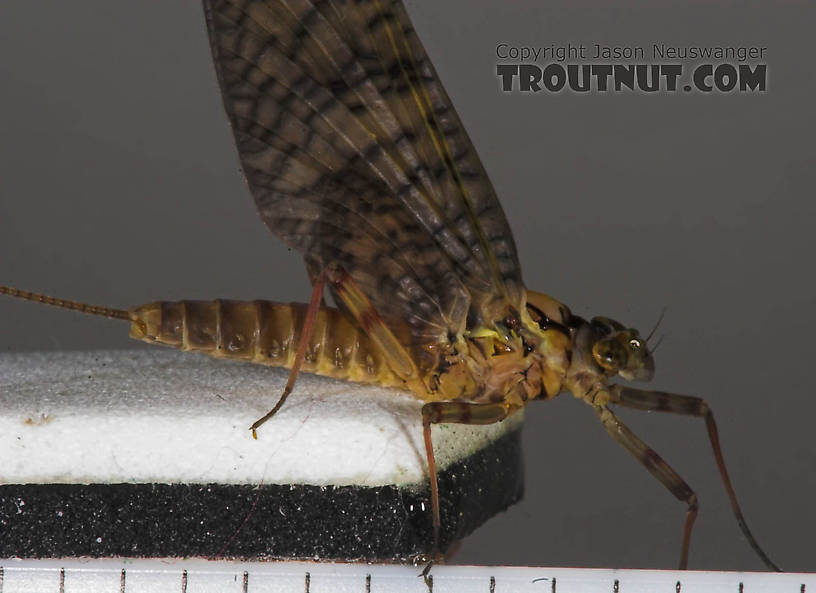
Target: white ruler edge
120,575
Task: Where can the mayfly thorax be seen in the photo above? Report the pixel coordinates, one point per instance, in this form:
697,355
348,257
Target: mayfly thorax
356,158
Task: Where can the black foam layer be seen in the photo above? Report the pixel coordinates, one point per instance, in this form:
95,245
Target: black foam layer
238,521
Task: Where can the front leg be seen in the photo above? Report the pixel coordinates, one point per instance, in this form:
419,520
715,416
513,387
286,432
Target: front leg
658,468
454,413
660,401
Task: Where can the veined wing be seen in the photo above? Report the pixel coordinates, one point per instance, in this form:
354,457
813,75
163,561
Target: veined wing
355,156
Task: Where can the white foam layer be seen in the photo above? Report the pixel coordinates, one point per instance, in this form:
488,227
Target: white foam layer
164,416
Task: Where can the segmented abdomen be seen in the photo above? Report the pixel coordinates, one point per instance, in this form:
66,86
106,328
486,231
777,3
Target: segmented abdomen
266,333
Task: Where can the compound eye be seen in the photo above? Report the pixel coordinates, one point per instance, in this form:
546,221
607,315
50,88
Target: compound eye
610,354
635,344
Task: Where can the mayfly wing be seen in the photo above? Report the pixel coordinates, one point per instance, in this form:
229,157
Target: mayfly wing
356,157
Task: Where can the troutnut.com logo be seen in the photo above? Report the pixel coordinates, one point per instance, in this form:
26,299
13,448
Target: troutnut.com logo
659,67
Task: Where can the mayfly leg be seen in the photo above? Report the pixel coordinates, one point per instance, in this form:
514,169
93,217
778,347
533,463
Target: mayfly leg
660,401
454,413
400,362
658,467
361,309
300,355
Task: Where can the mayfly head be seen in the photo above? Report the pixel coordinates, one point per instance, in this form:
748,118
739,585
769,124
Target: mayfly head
619,350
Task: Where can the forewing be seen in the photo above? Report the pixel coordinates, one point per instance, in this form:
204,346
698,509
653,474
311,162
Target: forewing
356,157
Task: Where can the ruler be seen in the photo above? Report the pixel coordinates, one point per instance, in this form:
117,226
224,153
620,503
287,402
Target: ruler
202,576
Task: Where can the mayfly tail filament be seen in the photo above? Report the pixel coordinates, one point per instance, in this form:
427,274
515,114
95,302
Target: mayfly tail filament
66,304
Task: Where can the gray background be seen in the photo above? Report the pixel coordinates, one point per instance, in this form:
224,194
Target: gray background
120,185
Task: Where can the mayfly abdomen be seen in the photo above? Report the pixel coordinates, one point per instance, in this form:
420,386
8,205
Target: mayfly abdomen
264,332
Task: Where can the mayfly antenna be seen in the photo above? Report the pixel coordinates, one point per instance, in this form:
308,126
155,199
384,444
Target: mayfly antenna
66,304
654,329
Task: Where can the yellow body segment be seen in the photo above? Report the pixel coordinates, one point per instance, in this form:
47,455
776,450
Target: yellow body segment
264,332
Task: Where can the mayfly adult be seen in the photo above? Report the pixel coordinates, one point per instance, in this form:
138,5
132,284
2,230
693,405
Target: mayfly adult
356,158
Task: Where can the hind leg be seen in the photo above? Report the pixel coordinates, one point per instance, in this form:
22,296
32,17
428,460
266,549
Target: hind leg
300,355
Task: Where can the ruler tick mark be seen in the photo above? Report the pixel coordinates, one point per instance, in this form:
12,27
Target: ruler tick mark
492,584
367,585
615,586
553,585
677,587
308,581
741,587
122,577
62,580
184,581
245,582
3,574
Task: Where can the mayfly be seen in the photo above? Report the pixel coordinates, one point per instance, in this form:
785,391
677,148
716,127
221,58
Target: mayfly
356,158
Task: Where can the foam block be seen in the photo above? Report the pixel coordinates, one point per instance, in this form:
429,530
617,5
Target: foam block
148,453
